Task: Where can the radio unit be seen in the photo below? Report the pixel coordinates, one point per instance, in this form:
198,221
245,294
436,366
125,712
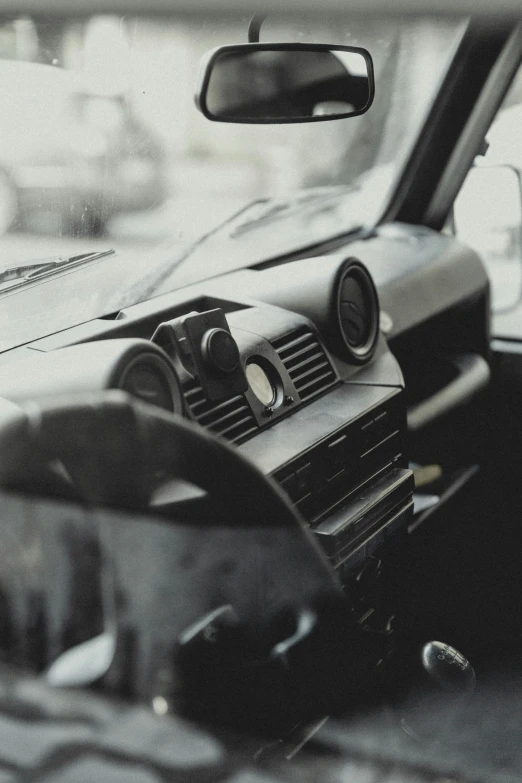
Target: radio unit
353,487
355,491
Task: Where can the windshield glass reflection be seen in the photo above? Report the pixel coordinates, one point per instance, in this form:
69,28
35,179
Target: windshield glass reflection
102,145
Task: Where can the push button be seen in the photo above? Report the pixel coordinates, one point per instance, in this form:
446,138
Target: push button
304,481
368,432
336,456
382,426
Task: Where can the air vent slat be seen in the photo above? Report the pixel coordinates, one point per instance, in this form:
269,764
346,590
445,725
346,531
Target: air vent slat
231,419
309,349
245,420
317,357
217,422
199,400
282,345
197,406
193,389
312,371
327,376
216,409
306,362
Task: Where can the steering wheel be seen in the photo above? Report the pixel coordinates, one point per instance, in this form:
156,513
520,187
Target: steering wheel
243,617
117,450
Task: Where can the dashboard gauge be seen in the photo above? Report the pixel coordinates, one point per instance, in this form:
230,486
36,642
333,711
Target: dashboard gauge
150,378
133,365
260,383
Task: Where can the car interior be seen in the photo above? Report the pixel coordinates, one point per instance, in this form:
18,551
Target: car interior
261,519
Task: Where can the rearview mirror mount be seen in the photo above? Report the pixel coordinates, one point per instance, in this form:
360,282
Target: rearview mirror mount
274,83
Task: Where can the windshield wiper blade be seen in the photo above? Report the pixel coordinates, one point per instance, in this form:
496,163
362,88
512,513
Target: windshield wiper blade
270,209
275,208
46,266
148,285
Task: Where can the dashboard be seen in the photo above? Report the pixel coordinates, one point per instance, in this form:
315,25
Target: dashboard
314,370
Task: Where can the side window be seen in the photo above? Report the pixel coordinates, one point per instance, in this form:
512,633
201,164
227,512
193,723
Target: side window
488,209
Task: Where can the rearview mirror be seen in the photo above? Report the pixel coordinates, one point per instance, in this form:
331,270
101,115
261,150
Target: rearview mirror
284,83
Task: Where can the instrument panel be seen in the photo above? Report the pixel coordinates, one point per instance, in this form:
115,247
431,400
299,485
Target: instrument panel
287,363
314,399
320,411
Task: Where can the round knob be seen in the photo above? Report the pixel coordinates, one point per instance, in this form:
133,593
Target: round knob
220,350
439,689
447,668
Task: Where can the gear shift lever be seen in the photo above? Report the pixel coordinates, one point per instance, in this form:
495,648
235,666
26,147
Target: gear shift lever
447,669
443,674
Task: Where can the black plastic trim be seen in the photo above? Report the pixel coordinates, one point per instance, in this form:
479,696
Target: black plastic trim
472,138
467,75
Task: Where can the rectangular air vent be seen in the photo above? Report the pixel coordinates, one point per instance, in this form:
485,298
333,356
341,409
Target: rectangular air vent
306,362
232,419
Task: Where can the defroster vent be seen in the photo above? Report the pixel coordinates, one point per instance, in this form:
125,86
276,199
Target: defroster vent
232,419
306,361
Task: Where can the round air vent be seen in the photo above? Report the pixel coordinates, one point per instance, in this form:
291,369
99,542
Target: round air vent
150,377
358,310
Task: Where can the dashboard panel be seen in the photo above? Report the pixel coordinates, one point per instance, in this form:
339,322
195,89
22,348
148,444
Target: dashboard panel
296,365
260,376
312,369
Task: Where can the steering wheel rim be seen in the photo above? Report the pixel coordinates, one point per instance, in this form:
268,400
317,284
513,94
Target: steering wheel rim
118,450
277,566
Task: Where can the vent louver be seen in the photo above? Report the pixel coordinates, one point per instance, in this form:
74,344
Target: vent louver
232,419
306,362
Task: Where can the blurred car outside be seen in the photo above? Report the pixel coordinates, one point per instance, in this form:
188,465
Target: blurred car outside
71,153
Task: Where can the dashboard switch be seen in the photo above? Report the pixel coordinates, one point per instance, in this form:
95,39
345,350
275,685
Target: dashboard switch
337,455
368,431
304,480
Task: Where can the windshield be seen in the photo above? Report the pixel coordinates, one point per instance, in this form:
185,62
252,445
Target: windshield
102,147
